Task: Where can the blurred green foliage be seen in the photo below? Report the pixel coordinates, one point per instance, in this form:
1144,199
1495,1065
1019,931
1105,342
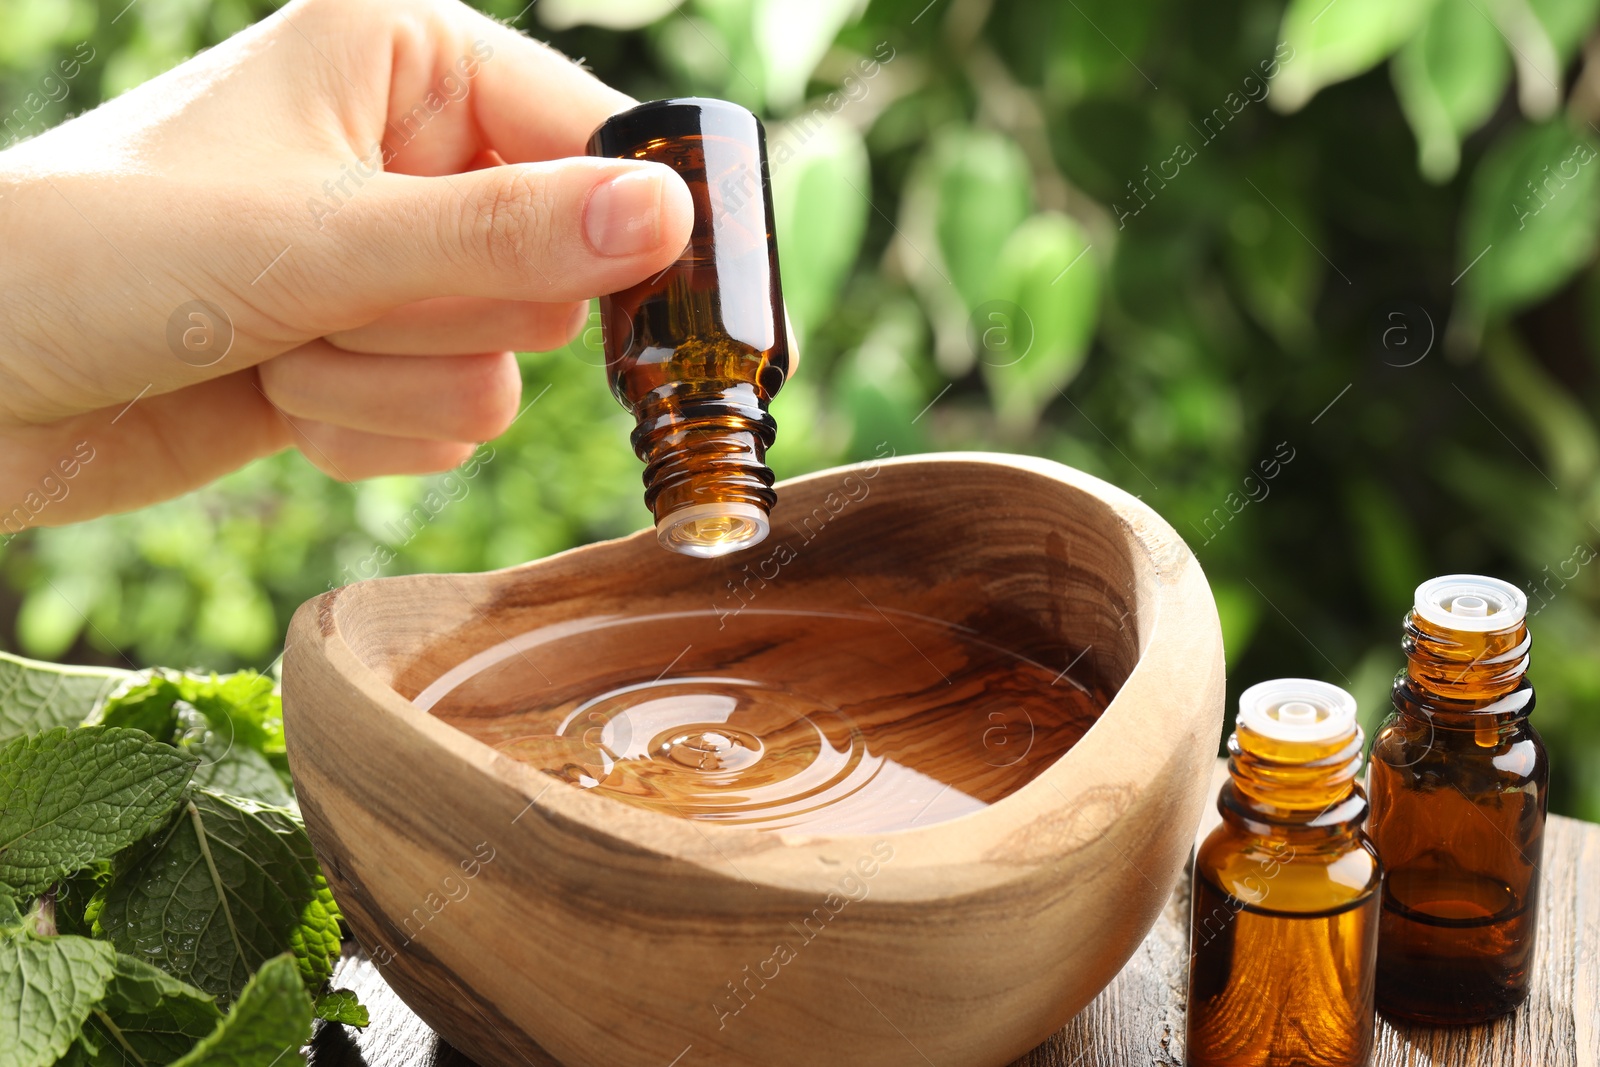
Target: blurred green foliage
1169,243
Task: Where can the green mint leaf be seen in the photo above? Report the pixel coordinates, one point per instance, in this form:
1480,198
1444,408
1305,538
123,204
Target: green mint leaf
241,707
242,772
138,986
315,942
225,765
48,987
265,1028
248,700
144,702
231,884
233,722
36,696
342,1006
71,797
147,1016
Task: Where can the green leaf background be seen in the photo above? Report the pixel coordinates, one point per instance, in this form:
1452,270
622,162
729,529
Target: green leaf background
1379,174
1533,213
1449,78
1046,265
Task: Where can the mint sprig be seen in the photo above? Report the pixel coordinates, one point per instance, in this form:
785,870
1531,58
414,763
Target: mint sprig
155,873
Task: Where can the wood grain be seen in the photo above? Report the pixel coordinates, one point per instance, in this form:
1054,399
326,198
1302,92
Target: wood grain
533,922
1138,1020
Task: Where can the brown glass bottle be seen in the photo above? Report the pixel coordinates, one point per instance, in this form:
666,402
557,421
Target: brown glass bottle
1458,781
698,351
1284,927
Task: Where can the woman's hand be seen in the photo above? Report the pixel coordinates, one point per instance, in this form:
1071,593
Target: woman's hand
330,231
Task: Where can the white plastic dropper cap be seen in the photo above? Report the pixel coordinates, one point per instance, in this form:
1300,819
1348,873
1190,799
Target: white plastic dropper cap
1470,602
1297,709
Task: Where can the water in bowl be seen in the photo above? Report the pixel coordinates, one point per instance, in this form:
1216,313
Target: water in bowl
809,722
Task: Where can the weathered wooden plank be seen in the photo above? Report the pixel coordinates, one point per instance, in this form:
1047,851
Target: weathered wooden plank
1138,1020
395,1038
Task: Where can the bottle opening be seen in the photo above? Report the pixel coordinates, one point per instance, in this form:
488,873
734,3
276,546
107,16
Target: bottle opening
1297,713
1297,709
711,530
1470,602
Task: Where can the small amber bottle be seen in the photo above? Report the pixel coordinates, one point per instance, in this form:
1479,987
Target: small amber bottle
1458,780
1284,928
698,351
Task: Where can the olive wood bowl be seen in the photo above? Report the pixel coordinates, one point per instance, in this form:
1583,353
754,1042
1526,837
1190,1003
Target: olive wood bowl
530,921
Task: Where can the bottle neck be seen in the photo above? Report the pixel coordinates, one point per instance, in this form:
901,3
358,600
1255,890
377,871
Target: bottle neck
1465,680
704,445
1296,789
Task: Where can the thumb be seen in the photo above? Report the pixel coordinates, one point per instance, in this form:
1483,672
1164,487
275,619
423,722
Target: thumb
563,230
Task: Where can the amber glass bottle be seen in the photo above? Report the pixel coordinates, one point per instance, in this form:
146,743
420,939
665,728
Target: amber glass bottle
1284,926
698,351
1458,781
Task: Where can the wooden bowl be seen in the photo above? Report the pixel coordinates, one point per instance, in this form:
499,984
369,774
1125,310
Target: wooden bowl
531,921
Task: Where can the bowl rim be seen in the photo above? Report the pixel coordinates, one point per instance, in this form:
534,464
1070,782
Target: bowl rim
1014,838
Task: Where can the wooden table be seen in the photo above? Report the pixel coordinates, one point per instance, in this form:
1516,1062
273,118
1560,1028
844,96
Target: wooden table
1137,1021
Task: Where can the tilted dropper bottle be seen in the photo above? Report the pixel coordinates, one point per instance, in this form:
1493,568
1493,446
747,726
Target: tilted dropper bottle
698,351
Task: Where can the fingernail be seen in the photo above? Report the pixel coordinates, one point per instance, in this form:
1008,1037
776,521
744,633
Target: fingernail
623,216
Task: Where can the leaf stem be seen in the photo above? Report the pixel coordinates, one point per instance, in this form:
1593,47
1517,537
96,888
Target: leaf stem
44,914
116,1033
216,879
